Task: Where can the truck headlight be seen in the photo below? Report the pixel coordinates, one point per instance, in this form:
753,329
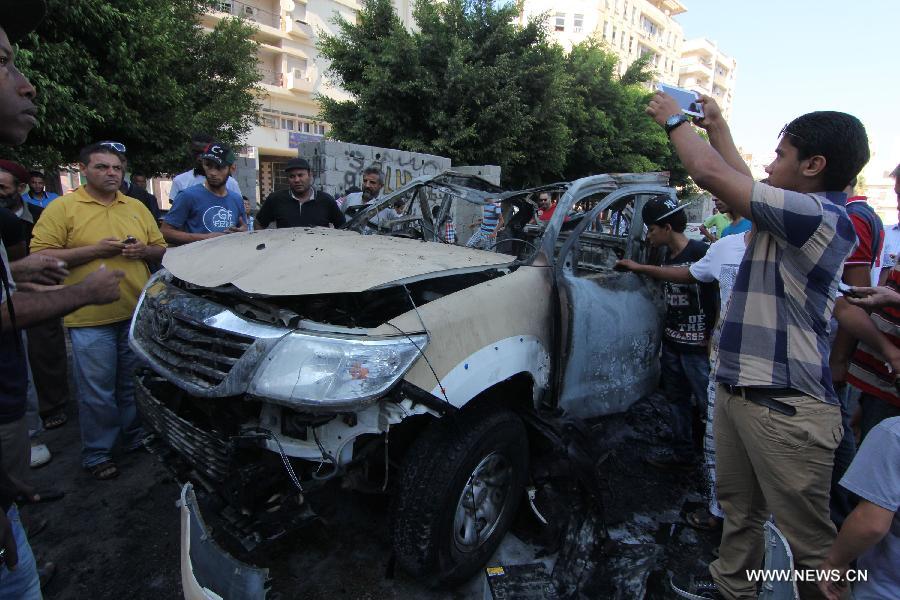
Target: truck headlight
333,373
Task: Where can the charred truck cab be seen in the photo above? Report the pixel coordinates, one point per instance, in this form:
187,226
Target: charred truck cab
283,362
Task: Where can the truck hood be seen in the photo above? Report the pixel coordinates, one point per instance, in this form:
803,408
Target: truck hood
319,260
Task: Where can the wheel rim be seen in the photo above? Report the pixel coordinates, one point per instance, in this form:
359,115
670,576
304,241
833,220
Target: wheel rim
482,502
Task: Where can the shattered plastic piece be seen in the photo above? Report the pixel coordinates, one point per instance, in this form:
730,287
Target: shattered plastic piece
207,571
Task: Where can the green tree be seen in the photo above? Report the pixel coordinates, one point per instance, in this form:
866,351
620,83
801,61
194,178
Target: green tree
468,84
142,72
610,130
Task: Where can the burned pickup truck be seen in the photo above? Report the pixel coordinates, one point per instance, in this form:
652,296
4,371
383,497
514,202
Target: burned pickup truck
285,363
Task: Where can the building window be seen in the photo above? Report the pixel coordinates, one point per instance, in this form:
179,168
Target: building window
614,35
320,129
578,23
651,28
268,121
559,22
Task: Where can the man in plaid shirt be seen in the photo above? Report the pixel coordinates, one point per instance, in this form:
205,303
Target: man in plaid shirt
777,421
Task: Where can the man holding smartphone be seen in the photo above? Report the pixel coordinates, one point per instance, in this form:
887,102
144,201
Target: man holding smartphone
98,225
777,419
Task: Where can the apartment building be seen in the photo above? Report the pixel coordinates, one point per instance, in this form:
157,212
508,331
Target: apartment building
630,28
292,73
706,69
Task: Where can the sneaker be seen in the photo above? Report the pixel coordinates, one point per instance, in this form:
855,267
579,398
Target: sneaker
695,587
40,455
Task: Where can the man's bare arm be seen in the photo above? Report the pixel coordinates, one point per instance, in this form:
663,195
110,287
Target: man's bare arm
105,248
720,135
664,273
704,164
857,323
178,237
100,287
864,527
844,340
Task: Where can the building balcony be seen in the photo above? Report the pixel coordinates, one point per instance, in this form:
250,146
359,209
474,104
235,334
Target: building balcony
299,29
299,80
669,7
700,46
268,23
696,67
722,80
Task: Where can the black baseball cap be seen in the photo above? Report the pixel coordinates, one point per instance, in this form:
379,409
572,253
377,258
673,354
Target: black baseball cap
660,208
297,163
18,18
218,153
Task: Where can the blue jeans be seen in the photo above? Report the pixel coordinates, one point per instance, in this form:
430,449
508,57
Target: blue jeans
684,374
843,501
103,370
23,583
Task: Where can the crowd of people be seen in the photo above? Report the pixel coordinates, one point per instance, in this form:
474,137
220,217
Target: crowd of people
800,363
791,364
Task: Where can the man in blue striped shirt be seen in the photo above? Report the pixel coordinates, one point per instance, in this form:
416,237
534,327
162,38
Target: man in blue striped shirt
777,421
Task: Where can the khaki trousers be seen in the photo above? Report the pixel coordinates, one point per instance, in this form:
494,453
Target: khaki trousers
770,463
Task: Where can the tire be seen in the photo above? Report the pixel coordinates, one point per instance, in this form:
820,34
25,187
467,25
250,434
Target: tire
438,535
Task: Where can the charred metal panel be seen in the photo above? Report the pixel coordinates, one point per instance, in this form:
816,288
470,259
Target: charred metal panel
611,322
615,331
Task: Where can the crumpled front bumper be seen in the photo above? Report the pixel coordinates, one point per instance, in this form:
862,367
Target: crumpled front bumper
207,571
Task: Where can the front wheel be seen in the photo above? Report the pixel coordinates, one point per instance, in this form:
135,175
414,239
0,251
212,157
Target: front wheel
459,489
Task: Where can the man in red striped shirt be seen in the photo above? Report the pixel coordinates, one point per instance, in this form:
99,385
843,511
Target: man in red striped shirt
875,366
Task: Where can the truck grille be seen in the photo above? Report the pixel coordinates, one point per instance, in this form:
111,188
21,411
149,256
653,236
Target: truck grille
200,354
210,455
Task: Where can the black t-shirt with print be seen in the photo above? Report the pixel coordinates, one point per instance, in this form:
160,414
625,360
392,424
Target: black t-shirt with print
691,307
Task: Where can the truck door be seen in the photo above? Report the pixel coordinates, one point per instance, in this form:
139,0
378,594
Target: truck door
610,321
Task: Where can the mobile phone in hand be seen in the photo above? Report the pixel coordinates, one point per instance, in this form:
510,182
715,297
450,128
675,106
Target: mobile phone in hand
686,99
847,290
129,240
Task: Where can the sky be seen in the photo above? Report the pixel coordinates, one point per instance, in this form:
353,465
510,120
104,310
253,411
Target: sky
797,56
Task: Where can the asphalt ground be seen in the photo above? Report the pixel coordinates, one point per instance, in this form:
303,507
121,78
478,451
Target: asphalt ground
120,538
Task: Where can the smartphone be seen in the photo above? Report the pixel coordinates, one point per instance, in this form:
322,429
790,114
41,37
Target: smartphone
129,240
686,99
847,290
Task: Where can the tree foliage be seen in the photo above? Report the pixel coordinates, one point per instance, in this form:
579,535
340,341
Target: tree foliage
142,72
471,84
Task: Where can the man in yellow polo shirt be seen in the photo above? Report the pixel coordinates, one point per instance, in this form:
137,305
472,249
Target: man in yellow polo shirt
92,226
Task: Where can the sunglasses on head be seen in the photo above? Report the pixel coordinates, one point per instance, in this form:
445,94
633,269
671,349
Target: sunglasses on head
784,131
117,146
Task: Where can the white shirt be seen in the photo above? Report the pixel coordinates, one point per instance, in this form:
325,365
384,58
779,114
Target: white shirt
385,215
891,246
189,179
721,263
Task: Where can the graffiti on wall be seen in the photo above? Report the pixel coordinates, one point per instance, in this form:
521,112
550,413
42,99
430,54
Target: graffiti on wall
397,168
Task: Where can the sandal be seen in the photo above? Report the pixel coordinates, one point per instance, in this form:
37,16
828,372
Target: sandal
105,471
54,421
703,520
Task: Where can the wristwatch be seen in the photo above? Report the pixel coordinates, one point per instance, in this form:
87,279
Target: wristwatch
674,121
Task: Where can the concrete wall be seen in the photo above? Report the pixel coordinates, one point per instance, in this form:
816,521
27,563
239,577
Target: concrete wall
489,172
247,176
339,165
